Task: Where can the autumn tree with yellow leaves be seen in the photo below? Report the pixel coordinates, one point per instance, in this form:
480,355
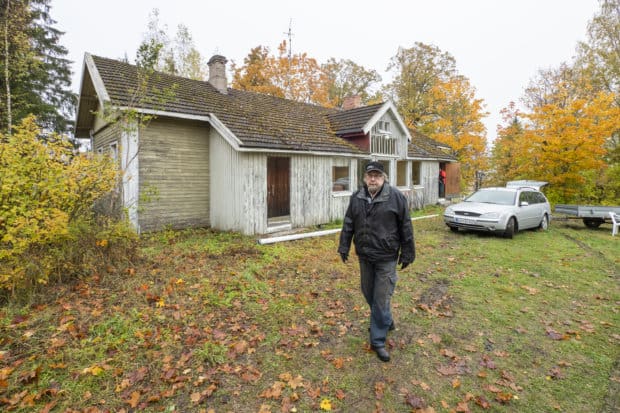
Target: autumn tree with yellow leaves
569,132
434,99
292,76
565,145
457,122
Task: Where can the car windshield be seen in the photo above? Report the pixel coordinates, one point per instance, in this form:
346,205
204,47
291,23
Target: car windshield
493,197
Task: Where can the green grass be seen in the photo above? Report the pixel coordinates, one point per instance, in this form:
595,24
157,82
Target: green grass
212,320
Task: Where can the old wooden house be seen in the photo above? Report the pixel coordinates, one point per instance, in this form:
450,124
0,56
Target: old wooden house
213,156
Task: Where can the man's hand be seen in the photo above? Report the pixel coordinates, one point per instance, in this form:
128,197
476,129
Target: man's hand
344,256
404,262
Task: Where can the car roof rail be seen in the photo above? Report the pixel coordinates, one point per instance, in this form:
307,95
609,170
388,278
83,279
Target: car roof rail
524,183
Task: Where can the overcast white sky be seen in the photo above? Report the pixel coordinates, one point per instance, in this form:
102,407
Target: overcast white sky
498,44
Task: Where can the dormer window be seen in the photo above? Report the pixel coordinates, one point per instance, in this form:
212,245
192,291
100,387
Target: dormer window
381,139
382,127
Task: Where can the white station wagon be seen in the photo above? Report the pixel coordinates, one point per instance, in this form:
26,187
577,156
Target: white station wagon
520,205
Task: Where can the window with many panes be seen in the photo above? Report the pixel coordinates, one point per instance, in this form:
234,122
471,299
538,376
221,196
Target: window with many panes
381,139
415,173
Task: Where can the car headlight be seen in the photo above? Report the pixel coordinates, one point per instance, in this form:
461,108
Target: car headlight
448,211
490,215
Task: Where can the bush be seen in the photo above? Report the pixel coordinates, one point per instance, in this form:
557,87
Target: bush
46,217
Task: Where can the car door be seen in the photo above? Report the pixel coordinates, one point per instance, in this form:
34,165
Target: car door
528,215
541,207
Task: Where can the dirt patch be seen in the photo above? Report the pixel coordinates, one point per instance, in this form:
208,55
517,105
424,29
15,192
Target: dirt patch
436,298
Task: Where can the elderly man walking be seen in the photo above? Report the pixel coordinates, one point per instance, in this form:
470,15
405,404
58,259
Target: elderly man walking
378,222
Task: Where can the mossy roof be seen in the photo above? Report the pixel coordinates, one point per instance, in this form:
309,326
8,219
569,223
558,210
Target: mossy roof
257,120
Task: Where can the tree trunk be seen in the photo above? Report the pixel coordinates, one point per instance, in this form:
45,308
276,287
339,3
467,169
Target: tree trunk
6,68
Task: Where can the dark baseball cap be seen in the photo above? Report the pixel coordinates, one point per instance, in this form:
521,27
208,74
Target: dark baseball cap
374,166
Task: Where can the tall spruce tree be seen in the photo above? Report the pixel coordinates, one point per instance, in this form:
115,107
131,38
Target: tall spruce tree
35,74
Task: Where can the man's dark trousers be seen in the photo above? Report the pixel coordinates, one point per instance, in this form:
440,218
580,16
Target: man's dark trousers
378,281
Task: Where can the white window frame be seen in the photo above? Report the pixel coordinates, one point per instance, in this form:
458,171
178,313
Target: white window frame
407,173
346,192
113,148
413,165
381,139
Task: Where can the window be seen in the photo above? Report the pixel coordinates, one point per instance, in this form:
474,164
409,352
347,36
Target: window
114,151
525,197
340,178
382,127
401,173
381,140
540,198
416,166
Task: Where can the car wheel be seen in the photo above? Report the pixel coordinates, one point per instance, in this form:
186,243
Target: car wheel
510,228
454,229
592,222
544,224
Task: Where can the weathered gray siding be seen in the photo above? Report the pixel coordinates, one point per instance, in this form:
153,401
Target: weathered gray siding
238,188
105,137
311,185
312,199
174,162
429,174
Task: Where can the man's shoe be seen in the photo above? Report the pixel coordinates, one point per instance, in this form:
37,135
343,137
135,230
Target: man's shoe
382,353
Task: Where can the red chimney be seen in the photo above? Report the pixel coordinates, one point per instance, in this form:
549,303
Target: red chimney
352,102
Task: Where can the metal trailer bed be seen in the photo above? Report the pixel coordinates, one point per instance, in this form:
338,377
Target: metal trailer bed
592,215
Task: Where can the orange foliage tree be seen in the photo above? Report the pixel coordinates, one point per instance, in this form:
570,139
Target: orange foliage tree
291,76
507,148
434,99
565,145
456,120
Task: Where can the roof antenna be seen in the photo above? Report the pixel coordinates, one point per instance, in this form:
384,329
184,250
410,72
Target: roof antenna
290,52
290,40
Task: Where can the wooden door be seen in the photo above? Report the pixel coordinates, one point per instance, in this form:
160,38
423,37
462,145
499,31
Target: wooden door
453,180
278,186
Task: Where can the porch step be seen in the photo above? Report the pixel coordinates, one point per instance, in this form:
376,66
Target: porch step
280,227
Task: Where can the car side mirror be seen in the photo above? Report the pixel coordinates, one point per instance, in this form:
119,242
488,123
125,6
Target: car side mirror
524,203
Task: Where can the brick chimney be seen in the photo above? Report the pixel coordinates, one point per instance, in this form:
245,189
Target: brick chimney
352,102
217,73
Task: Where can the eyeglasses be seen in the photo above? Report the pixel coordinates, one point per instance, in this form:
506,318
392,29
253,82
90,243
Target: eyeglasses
375,175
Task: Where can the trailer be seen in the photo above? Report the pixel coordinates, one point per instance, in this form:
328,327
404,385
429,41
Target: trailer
591,215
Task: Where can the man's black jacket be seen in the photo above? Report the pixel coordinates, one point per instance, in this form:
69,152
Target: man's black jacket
380,227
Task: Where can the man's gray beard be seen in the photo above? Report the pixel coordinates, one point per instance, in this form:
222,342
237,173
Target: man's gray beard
374,188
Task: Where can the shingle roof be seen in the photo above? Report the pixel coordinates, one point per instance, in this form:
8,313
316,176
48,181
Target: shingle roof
352,120
257,120
423,146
